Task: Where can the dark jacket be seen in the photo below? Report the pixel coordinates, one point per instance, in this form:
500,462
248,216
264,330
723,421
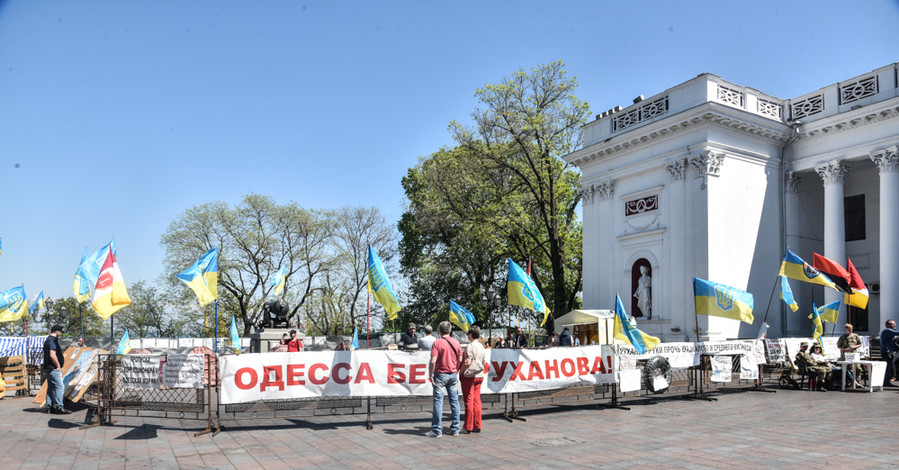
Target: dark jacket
565,338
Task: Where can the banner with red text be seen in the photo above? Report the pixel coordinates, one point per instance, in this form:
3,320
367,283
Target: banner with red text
282,375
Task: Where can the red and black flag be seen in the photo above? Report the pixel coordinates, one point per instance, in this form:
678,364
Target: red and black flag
838,274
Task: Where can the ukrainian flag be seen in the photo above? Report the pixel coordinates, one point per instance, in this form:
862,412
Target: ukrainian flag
125,344
235,337
279,280
816,320
81,288
786,294
37,305
13,304
625,331
523,292
202,276
460,317
379,286
355,344
719,300
830,312
794,267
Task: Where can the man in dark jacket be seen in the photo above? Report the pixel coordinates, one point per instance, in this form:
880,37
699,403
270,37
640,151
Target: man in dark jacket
565,337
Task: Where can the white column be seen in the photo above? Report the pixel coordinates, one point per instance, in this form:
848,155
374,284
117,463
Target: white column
590,241
606,257
791,230
887,162
677,284
832,174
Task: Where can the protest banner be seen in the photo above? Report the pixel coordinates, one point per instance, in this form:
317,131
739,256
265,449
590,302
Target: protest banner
140,371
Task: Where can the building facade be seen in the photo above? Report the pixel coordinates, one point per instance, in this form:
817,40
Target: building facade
715,180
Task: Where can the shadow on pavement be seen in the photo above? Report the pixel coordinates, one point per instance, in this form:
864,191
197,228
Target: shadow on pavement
57,423
146,431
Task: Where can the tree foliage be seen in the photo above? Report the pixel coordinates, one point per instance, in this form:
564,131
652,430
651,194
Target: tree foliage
503,191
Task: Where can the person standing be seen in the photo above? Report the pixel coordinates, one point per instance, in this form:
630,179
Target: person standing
52,371
848,343
427,340
294,345
565,337
443,369
521,340
888,351
472,378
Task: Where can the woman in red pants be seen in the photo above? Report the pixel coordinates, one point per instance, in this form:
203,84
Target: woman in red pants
472,378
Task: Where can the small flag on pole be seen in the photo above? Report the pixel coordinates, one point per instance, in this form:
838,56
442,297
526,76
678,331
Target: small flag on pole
279,280
626,331
37,305
355,344
379,285
235,337
110,295
124,344
859,296
720,300
523,292
202,276
786,294
460,317
13,304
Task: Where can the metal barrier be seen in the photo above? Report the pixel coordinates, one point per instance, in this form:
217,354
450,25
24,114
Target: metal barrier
114,398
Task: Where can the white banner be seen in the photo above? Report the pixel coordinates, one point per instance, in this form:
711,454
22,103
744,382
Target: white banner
272,376
140,371
684,355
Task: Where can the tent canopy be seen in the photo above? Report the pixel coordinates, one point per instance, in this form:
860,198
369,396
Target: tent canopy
579,317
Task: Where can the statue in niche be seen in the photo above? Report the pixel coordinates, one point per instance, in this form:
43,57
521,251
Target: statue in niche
643,293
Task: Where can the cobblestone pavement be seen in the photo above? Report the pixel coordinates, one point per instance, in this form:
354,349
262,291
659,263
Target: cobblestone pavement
788,429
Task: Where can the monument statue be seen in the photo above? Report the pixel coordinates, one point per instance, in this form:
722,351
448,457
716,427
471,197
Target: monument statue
643,295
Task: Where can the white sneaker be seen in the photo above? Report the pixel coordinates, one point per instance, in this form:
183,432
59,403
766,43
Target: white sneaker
432,434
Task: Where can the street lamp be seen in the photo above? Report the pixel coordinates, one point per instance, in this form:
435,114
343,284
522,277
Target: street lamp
488,300
49,304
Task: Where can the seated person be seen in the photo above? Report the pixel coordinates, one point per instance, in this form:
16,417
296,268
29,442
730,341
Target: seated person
818,355
822,372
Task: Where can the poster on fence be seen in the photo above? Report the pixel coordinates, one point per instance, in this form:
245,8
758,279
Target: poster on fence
684,355
721,369
140,371
183,371
282,375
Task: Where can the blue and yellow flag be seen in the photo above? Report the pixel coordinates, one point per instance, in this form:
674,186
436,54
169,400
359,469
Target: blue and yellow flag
279,280
460,317
625,331
81,288
523,292
235,337
89,270
794,267
37,305
720,300
202,276
829,312
379,286
786,294
124,344
355,344
816,320
13,304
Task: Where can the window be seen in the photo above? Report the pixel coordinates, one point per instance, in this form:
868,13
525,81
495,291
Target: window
859,318
854,213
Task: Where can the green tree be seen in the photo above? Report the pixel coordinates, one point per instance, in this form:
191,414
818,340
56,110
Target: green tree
255,238
63,312
504,191
147,316
341,295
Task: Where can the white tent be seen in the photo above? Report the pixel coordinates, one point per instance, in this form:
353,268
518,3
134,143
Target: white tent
588,325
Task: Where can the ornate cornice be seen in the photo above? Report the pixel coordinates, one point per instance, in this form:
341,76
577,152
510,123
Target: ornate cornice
587,194
707,163
851,120
791,182
887,160
677,169
651,132
832,171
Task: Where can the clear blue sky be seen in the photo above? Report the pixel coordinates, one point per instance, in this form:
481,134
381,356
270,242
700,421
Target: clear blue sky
116,116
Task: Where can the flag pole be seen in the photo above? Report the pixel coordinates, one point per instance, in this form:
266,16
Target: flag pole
111,331
216,344
368,319
81,315
769,300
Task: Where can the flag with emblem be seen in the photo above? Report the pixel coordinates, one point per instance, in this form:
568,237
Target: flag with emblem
720,300
794,267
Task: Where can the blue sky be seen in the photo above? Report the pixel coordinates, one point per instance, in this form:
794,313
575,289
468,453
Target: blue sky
116,116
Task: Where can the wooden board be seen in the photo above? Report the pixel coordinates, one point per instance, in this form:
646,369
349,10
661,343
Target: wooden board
12,369
78,373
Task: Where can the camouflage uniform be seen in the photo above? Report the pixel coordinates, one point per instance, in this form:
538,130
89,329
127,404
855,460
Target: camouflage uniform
845,341
823,372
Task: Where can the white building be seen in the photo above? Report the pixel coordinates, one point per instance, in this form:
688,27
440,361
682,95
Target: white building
716,180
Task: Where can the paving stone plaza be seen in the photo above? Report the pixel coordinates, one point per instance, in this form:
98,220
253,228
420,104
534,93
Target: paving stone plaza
742,429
